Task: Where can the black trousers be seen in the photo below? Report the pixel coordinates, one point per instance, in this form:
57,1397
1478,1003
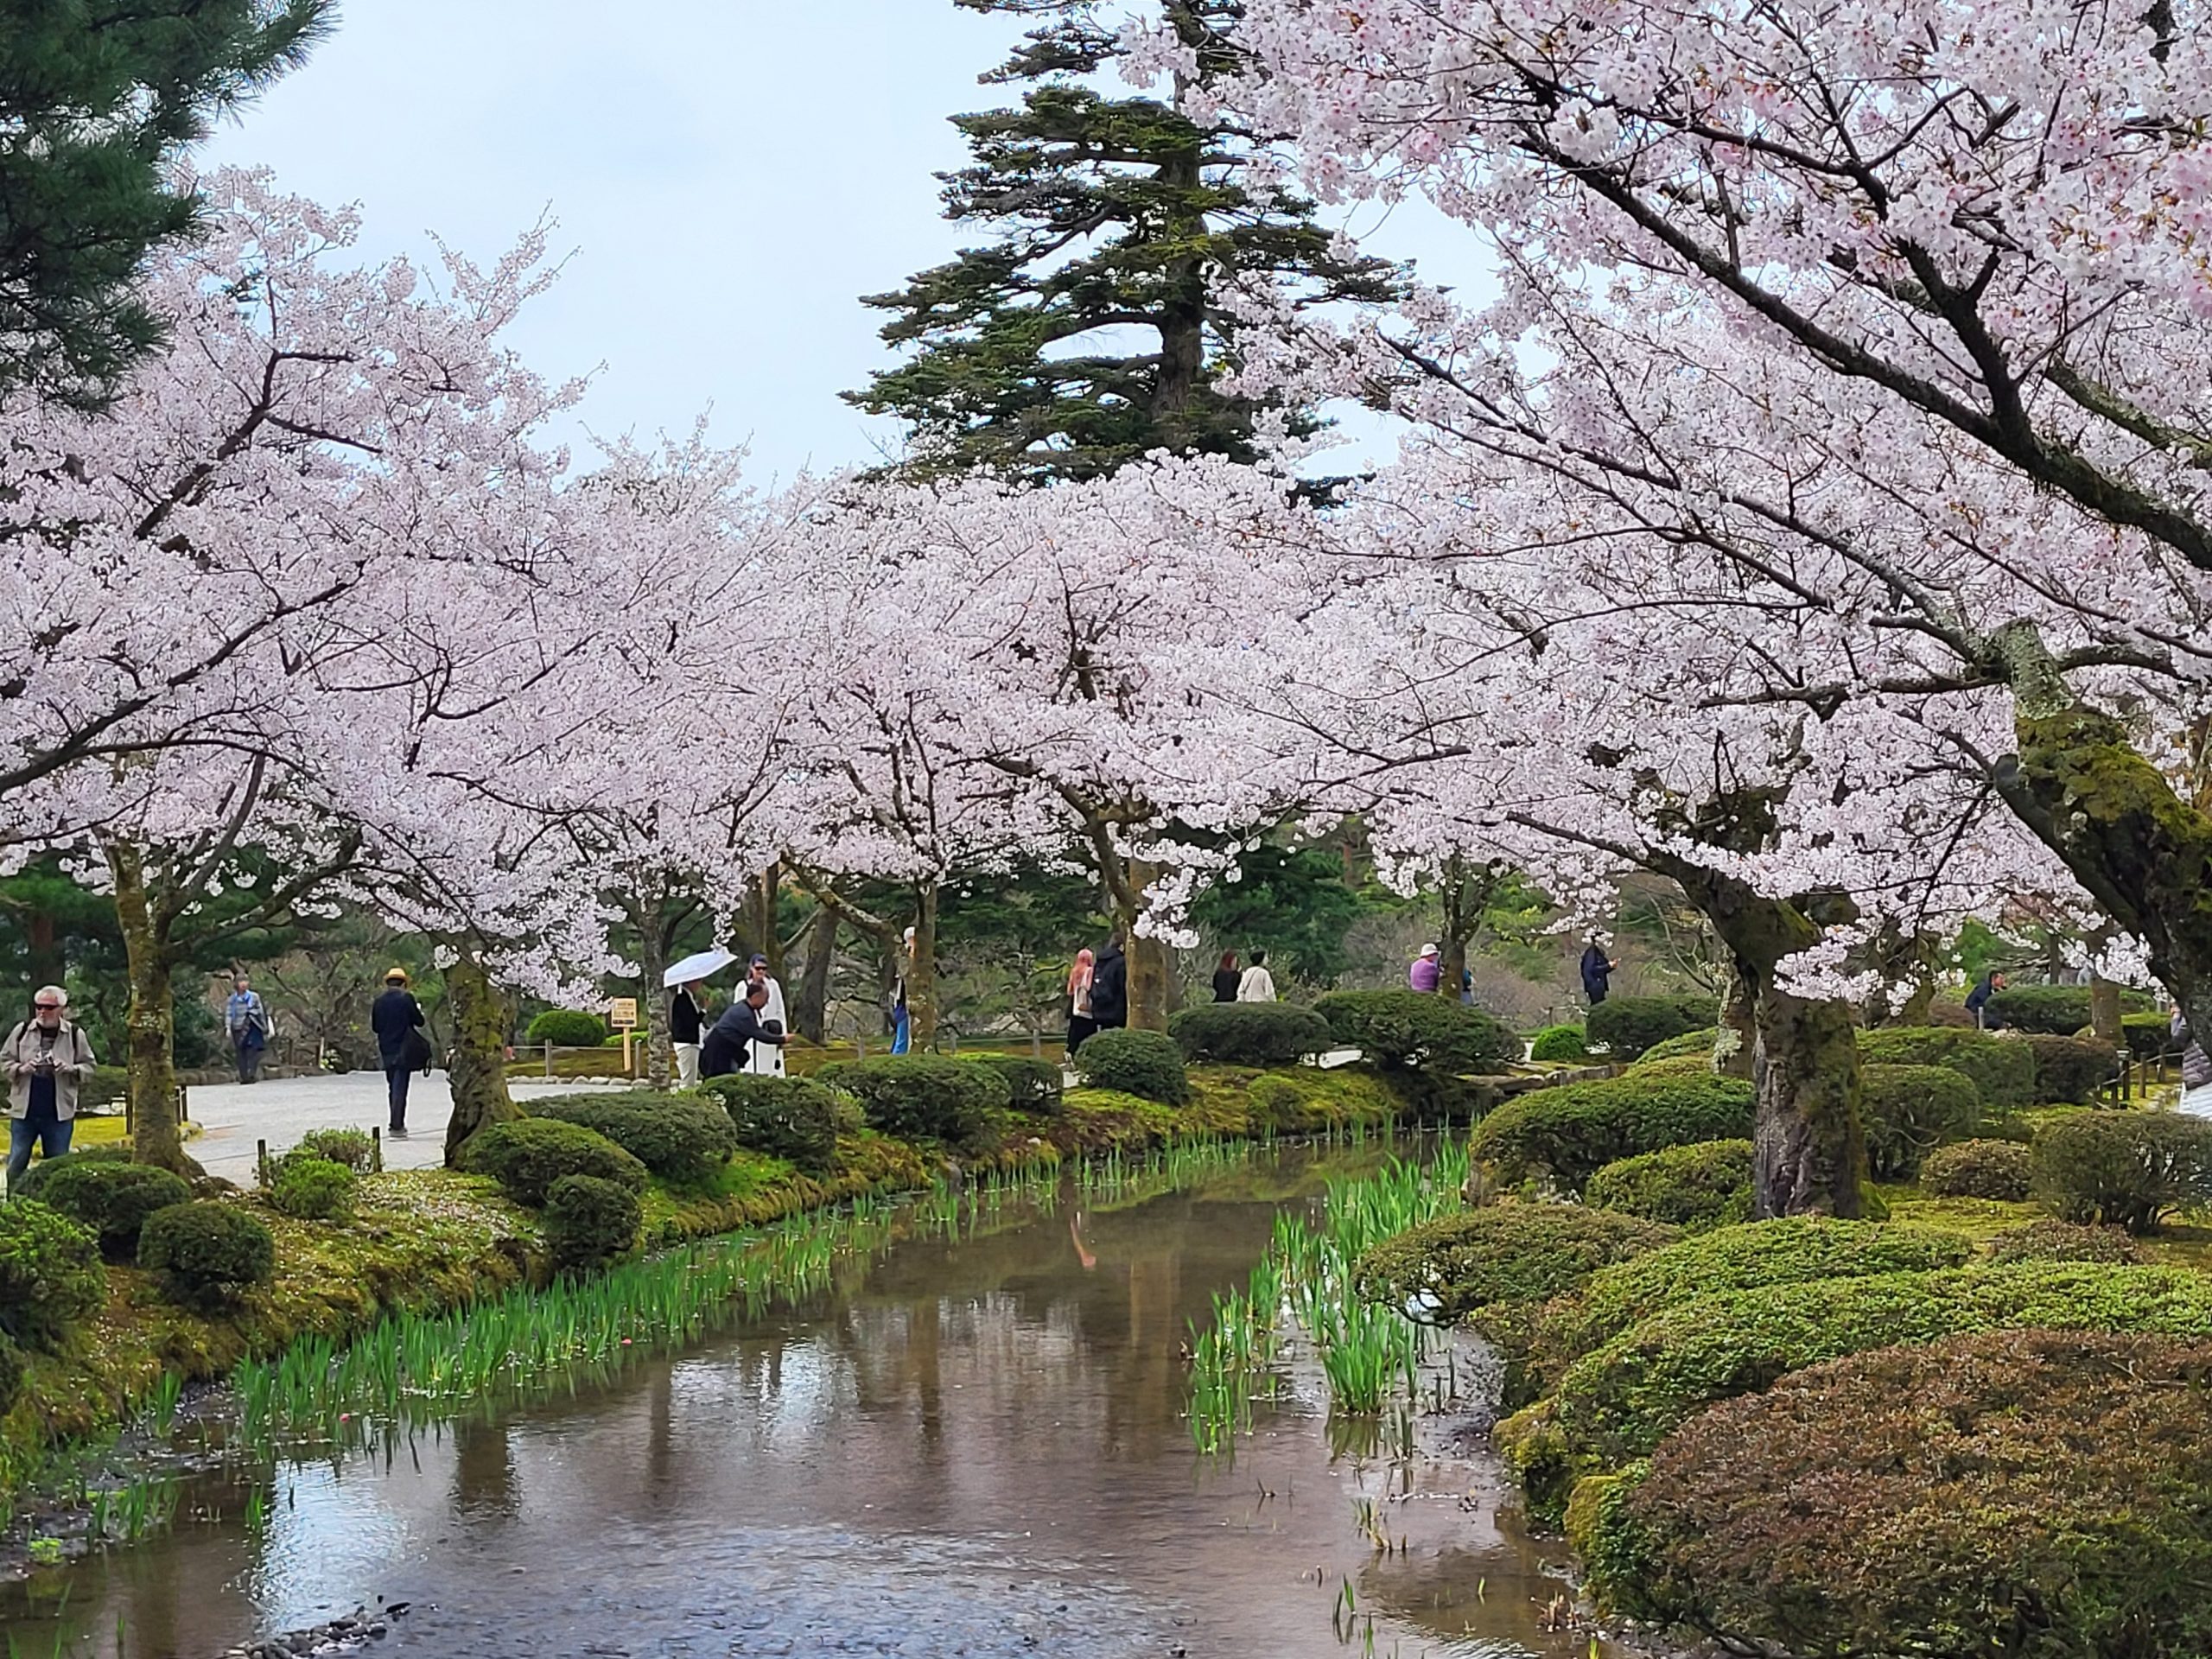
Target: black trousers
396,1080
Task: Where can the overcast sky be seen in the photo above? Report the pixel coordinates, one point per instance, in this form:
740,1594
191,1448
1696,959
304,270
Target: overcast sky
727,176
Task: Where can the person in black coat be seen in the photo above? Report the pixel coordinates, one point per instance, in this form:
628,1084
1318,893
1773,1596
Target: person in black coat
1110,987
395,1017
1597,973
729,1042
1226,978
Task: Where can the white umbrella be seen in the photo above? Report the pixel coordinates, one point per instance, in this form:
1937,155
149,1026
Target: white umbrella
697,967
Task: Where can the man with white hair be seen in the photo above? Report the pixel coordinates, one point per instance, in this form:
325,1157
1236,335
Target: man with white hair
45,1056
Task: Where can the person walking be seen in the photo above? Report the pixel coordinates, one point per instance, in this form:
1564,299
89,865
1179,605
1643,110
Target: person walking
1110,987
1427,972
245,1016
397,1019
687,1018
1258,985
902,1021
1080,1024
1978,1000
768,1059
1597,973
46,1057
741,1033
1225,977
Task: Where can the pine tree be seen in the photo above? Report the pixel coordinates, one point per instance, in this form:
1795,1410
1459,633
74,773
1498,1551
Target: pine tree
1110,217
95,103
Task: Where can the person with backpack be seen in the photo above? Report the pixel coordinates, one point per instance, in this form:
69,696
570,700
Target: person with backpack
1110,987
245,1016
397,1020
47,1056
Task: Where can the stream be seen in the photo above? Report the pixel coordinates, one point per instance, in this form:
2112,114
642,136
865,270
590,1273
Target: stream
972,1446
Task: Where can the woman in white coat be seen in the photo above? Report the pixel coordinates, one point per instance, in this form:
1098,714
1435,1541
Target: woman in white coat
767,1059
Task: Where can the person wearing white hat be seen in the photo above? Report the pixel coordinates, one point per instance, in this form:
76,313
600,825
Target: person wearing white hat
1426,971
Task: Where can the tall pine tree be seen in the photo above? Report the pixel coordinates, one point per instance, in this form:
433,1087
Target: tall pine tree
1083,335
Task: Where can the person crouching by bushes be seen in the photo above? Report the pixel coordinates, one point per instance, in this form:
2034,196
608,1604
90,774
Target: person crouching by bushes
1080,1024
1984,1017
47,1055
2196,1069
1427,972
397,1019
729,1047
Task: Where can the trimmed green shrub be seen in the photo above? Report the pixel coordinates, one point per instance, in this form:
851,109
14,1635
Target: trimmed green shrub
1572,1132
1033,1085
1699,1043
1459,1264
51,1279
1673,1066
203,1252
2070,1070
312,1188
678,1137
795,1118
1703,1185
1909,1111
111,1196
2054,1010
2002,1068
1624,1026
2131,1169
2052,1240
567,1028
1249,1033
352,1147
26,1185
527,1155
2015,1492
2148,1035
924,1097
590,1222
1146,1064
1558,1043
1399,1031
1978,1169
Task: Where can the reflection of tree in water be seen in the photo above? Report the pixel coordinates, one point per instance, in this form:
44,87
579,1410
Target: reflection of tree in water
483,1481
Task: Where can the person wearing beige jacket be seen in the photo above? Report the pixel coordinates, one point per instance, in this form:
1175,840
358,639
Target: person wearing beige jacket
46,1057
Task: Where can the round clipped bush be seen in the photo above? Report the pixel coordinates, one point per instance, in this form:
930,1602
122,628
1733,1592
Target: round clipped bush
1558,1043
925,1097
2052,1240
1625,1026
311,1188
202,1254
678,1137
590,1222
1033,1085
2053,1010
1399,1031
352,1147
1572,1132
50,1275
1909,1111
1146,1064
111,1196
1249,1033
1445,1269
794,1118
1978,1169
1698,1044
2131,1169
2070,1070
567,1028
2003,1068
2015,1492
28,1184
1706,1183
527,1155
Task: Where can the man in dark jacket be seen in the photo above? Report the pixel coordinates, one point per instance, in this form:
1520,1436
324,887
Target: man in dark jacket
395,1017
729,1043
1597,973
1110,987
1978,1000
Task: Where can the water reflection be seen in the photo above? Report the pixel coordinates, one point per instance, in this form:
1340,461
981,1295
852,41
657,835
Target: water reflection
974,1446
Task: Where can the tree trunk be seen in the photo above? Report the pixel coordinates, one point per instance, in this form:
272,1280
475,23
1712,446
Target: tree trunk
921,971
155,1136
809,1009
2105,1010
760,902
1459,928
481,1020
653,944
1733,1049
42,943
1151,963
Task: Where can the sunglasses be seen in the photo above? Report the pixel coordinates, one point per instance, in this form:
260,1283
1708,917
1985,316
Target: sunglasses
47,1008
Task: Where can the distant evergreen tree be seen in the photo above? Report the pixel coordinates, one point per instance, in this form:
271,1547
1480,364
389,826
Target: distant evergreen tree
95,102
1110,215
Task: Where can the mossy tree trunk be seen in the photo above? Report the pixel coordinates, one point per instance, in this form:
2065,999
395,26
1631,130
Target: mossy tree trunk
921,970
810,1007
1467,891
1151,960
155,1136
481,1020
2105,1010
1738,1040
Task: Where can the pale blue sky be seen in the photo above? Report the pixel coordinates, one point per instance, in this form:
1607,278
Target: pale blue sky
730,174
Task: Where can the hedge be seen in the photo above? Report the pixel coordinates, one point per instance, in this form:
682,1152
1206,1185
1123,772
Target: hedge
2070,1070
794,1118
1033,1085
310,1188
1572,1131
1558,1043
51,1280
1249,1033
1399,1031
567,1028
1627,1025
590,1222
1458,1264
2002,1068
527,1155
2148,1035
679,1137
2052,1240
924,1096
2131,1169
1909,1111
112,1198
354,1148
1699,1043
1978,1169
1146,1064
2055,1010
1703,1185
204,1253
2019,1492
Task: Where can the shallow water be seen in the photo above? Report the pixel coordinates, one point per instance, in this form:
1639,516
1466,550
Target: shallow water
973,1447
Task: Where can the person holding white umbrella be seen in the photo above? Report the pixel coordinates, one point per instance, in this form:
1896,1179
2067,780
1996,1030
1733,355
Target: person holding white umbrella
687,1009
767,1059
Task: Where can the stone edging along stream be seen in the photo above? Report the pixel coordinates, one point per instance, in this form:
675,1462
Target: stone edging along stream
430,1240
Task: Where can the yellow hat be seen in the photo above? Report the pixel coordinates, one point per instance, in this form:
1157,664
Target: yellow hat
396,976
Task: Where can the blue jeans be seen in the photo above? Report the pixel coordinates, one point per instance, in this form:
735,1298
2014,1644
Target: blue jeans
50,1137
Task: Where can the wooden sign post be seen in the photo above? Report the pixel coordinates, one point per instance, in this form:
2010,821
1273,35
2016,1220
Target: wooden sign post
622,1015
